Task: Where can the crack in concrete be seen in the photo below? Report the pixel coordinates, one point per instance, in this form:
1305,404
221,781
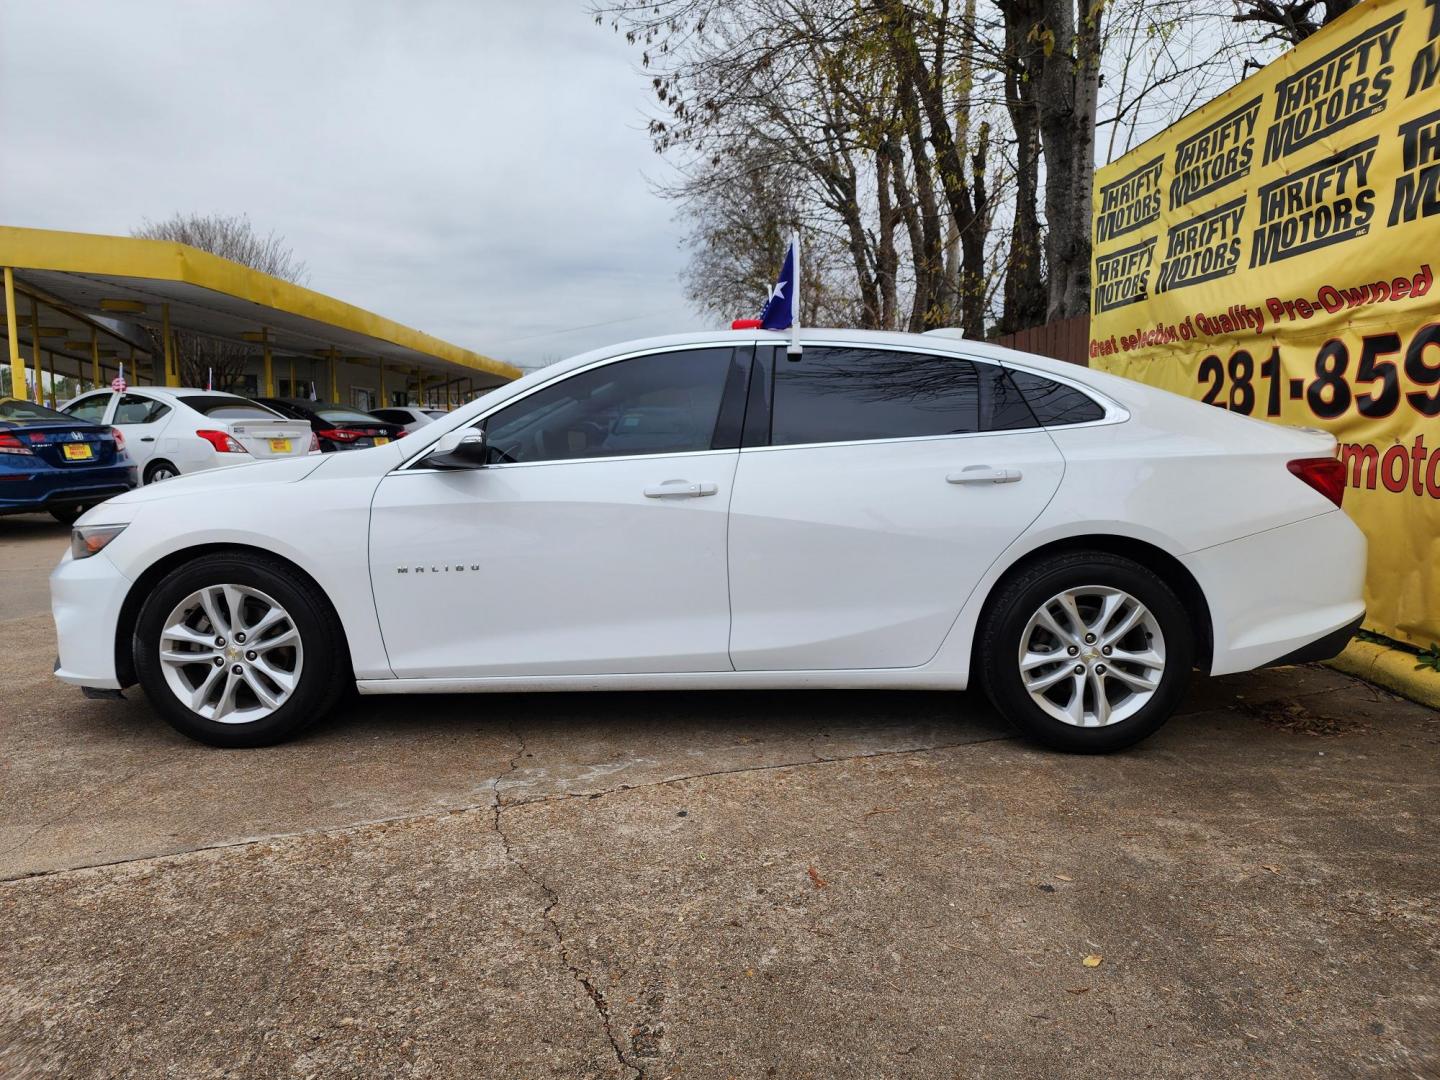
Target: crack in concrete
490,805
552,898
814,760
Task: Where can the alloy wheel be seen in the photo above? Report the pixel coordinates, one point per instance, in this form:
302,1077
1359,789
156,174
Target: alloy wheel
1092,656
231,654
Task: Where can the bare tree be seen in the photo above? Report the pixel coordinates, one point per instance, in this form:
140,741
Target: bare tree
231,237
1291,21
941,152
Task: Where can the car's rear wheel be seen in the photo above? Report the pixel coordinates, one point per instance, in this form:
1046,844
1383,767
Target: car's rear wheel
157,471
239,651
1086,652
68,515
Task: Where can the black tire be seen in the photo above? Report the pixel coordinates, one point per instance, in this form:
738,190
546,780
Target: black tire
156,467
1021,596
68,515
323,675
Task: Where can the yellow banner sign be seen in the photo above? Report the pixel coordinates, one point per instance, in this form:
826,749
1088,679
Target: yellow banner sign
1275,254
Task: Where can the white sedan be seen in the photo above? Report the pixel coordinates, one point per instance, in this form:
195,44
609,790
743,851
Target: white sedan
707,511
173,431
409,417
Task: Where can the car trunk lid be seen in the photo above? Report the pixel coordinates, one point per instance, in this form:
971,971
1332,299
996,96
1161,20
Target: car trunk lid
270,438
66,446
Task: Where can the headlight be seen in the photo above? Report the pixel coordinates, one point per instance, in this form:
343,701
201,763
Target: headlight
92,539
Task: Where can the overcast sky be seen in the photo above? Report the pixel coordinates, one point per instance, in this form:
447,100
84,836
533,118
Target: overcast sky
473,168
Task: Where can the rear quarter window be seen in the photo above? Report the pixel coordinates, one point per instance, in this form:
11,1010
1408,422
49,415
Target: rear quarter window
1055,404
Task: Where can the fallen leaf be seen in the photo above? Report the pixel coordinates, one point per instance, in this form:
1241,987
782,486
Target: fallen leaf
1093,960
1272,869
1064,877
1077,989
883,810
816,880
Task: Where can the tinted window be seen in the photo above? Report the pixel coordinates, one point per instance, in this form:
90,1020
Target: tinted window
1055,403
134,409
840,395
89,408
666,403
393,416
337,415
16,411
1002,406
228,408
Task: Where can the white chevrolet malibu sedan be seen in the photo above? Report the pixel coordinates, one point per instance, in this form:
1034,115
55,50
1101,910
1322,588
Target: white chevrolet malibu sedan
709,511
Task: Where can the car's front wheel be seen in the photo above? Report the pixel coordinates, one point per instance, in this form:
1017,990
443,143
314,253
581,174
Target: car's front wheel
1086,652
68,515
239,650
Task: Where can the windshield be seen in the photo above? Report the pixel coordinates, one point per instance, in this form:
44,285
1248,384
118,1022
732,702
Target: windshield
15,411
229,408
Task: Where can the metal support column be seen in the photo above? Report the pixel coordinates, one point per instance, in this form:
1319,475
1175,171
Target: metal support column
94,357
269,362
172,363
12,335
35,351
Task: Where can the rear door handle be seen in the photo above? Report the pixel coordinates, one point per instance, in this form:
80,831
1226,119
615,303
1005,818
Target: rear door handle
983,474
680,489
147,438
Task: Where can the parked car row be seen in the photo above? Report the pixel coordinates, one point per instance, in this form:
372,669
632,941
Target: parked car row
105,442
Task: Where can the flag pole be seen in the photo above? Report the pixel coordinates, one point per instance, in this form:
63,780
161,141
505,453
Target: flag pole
793,349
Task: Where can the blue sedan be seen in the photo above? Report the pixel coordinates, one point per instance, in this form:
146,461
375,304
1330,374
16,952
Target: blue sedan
56,463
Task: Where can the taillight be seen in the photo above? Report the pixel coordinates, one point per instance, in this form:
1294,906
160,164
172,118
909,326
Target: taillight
11,444
400,434
222,441
119,438
1325,474
338,434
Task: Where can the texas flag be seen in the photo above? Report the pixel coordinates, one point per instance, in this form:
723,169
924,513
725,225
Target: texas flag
781,308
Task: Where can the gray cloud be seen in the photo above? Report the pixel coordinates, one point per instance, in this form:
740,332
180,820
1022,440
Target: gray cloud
475,169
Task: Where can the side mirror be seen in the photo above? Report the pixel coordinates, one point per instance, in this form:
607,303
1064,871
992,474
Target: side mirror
463,449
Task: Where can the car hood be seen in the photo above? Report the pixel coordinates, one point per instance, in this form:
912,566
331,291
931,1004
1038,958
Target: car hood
245,474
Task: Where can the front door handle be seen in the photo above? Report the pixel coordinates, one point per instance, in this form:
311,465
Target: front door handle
983,474
147,438
680,489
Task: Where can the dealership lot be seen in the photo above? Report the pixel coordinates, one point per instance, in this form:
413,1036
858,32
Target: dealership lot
733,884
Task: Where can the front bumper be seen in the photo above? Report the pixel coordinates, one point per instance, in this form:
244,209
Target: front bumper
85,599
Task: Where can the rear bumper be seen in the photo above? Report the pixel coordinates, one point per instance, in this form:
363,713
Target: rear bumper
1323,648
85,600
23,493
1283,595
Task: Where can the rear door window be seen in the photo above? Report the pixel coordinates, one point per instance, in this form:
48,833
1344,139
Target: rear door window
134,409
832,394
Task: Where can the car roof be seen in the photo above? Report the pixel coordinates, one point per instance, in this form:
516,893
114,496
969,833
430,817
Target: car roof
946,342
177,392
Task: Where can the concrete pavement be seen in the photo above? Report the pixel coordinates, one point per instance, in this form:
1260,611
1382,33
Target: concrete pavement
714,885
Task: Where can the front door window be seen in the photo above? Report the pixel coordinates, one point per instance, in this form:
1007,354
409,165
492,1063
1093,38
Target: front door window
666,403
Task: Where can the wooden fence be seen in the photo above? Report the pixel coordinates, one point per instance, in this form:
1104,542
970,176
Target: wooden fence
1063,339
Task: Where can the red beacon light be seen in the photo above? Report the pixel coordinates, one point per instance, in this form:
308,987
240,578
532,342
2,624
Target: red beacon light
745,324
